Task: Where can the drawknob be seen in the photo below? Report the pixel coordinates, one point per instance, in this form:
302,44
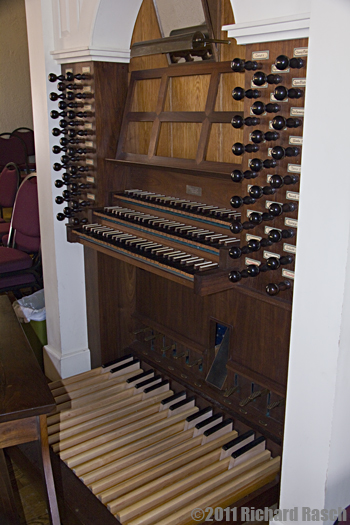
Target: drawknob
238,176
238,65
279,153
239,93
258,108
275,289
276,181
257,165
280,123
238,121
281,93
259,78
238,148
237,201
283,62
276,209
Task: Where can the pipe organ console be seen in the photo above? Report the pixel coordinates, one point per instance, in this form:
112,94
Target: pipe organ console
182,184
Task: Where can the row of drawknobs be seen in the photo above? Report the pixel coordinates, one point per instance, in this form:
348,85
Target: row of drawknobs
259,139
74,137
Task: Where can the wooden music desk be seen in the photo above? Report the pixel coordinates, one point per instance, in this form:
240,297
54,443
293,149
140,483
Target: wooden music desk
25,399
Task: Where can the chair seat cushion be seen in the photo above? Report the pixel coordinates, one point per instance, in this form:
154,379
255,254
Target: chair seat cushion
20,279
12,260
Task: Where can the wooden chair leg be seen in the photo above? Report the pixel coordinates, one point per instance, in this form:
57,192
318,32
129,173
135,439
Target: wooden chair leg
50,486
8,512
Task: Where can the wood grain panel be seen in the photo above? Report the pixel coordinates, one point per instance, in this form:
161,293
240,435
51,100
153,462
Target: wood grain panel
184,139
145,95
187,93
138,137
165,140
222,137
224,100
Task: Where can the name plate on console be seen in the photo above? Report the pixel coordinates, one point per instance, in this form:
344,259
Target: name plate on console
300,51
267,255
293,223
287,273
90,179
249,237
90,162
90,196
249,261
289,248
261,55
292,195
299,82
296,112
296,141
193,190
294,168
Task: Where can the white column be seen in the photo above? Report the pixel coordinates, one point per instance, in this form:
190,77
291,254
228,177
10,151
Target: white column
67,350
316,459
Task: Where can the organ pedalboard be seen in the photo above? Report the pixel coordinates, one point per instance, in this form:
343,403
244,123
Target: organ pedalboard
189,270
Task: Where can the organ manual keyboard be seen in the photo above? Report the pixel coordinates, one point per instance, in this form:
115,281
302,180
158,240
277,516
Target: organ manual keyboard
187,208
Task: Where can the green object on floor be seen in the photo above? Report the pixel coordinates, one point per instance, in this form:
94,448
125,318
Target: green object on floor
37,337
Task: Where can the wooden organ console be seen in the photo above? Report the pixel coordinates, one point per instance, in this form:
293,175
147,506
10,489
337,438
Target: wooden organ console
182,183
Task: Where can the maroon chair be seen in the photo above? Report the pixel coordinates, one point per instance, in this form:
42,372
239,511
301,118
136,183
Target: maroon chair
27,135
13,149
20,261
9,182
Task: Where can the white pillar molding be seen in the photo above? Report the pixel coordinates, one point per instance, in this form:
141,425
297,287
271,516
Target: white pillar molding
256,10
316,458
269,21
62,262
270,30
100,30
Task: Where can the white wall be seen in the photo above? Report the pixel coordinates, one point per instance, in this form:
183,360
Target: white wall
316,460
15,96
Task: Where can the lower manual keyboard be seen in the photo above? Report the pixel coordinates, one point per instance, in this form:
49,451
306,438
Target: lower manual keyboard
164,257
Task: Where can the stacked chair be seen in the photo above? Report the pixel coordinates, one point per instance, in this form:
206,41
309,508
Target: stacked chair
9,182
13,149
20,260
27,135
